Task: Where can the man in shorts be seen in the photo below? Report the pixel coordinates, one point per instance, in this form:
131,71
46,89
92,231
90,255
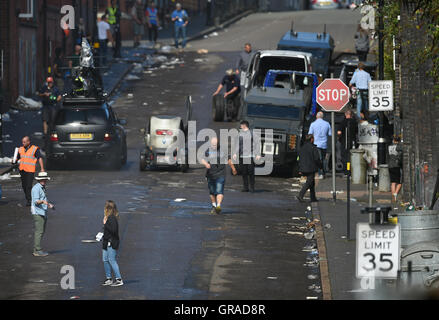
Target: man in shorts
215,161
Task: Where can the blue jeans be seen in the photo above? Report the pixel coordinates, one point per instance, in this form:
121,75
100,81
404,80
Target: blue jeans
322,153
109,258
180,31
216,186
103,52
362,95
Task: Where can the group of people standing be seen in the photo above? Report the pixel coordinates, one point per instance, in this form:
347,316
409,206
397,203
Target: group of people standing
28,158
147,14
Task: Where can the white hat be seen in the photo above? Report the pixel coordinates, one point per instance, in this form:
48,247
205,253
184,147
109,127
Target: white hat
42,176
229,72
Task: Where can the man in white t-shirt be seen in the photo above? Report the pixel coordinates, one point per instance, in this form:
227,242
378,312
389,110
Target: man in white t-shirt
104,35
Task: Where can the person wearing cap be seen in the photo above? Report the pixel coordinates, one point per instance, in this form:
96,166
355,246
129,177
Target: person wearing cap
50,97
180,19
39,207
28,156
231,82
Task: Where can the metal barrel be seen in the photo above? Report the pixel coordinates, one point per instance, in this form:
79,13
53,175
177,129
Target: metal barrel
417,226
384,178
359,166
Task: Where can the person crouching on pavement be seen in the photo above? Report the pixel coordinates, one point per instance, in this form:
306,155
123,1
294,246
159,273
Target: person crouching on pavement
309,163
39,207
111,244
215,162
28,156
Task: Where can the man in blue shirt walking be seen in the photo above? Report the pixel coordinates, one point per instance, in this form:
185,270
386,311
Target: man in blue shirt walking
39,211
180,19
361,80
153,22
321,130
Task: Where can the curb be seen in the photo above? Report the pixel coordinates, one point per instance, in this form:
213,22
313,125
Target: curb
128,70
321,247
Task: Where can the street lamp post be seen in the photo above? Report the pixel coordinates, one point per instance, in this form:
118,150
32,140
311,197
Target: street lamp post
381,141
118,34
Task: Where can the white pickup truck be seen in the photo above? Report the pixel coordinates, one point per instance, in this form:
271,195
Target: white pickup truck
264,60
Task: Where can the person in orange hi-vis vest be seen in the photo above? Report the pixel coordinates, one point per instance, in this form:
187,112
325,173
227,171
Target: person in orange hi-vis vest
28,156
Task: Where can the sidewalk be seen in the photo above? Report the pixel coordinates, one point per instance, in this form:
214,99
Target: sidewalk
340,253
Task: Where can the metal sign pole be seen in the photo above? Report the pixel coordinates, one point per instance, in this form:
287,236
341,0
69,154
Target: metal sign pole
334,196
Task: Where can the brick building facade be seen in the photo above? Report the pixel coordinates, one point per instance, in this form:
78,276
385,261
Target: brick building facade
27,45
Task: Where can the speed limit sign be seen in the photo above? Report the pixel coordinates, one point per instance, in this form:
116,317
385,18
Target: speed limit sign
378,251
381,95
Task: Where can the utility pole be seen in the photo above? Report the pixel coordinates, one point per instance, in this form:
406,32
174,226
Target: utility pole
381,141
118,33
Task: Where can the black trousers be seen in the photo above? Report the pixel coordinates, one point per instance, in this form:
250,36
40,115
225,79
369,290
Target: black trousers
153,33
248,173
27,179
310,185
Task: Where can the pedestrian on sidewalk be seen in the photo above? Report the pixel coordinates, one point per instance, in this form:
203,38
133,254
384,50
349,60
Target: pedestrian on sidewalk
243,61
104,35
247,149
112,12
137,13
180,19
152,19
40,204
347,132
395,166
361,79
28,156
309,163
321,130
110,244
361,43
50,97
215,161
58,69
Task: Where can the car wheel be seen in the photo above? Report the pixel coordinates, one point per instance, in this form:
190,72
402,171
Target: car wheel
117,161
142,162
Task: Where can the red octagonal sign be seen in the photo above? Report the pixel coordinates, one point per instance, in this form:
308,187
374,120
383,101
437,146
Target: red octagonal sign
332,94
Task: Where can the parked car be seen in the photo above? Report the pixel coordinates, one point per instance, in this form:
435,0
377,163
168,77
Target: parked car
87,128
325,4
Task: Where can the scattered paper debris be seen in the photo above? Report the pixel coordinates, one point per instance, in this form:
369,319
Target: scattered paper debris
294,233
312,276
202,51
180,200
132,77
74,297
213,34
312,298
166,49
272,278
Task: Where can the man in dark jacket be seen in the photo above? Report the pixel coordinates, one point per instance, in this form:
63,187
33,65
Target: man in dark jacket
309,164
347,132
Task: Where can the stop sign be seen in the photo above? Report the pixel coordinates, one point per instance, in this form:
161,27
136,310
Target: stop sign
332,95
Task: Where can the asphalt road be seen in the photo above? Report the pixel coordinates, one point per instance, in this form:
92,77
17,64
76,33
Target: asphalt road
171,250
